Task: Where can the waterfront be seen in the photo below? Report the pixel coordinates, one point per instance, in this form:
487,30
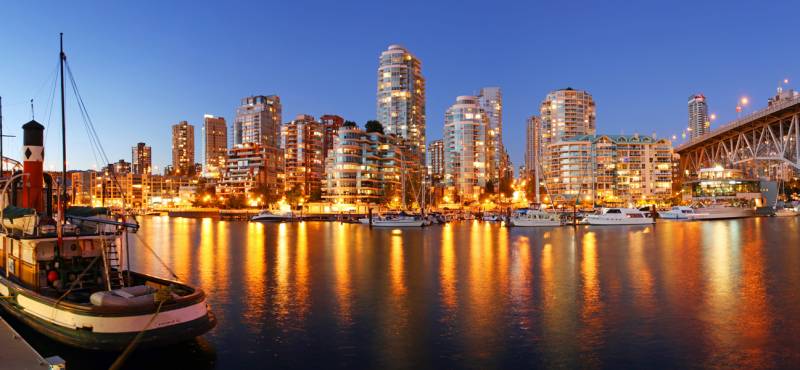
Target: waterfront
717,294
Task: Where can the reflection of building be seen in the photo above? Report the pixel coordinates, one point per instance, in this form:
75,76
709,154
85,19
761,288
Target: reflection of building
465,149
366,167
215,145
183,148
698,115
401,96
142,159
303,159
609,169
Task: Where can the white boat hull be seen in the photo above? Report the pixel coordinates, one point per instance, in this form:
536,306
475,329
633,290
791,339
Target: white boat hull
673,216
619,221
399,223
721,214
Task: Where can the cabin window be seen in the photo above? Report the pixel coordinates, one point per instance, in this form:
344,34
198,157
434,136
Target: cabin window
27,252
635,215
613,211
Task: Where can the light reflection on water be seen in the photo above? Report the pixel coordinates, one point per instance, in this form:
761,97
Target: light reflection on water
477,295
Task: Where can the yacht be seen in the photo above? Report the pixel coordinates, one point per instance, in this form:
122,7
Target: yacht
534,217
677,213
398,221
491,217
720,212
786,212
270,216
619,216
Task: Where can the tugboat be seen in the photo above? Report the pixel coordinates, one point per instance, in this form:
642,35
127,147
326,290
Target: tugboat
61,272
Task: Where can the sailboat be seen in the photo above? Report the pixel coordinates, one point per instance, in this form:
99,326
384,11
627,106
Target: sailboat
61,271
402,219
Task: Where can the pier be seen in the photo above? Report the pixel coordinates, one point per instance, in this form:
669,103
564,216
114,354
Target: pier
17,354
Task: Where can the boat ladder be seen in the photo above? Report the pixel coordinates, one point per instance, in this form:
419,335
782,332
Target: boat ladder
111,265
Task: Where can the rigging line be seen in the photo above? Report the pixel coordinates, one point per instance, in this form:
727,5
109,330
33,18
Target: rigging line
91,138
50,111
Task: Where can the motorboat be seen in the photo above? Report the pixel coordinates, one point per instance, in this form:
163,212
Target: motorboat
677,213
491,217
720,212
786,212
270,216
619,216
398,221
533,218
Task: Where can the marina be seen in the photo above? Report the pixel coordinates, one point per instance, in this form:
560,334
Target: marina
339,295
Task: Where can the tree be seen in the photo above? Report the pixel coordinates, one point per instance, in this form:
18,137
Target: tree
294,195
349,124
489,187
374,126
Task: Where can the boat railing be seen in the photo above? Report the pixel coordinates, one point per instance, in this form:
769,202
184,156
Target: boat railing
132,226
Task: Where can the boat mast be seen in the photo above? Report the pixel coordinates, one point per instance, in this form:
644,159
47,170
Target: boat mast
62,58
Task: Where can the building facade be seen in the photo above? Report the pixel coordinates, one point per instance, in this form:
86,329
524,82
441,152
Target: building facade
698,116
244,170
491,101
303,155
258,126
533,146
401,97
466,152
330,128
142,159
183,148
567,113
616,170
435,160
215,145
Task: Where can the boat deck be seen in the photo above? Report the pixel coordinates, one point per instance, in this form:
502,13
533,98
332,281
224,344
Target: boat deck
16,353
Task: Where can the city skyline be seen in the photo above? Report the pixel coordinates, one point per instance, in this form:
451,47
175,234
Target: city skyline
167,94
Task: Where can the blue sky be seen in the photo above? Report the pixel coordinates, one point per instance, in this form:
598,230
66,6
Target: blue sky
143,66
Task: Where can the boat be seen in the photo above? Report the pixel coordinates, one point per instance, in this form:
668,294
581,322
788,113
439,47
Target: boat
533,218
491,217
61,273
720,212
677,213
270,216
786,212
619,216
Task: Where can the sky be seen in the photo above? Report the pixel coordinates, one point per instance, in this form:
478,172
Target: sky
143,66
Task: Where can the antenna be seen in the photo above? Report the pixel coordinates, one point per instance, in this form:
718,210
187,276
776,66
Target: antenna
33,117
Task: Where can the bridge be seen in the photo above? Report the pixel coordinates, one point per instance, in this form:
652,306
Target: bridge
765,143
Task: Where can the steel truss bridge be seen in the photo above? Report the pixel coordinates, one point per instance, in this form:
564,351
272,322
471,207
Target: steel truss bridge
765,143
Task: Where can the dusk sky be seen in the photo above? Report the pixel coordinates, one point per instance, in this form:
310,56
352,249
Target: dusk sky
143,66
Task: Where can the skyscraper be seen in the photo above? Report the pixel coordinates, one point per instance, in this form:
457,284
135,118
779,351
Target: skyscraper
183,148
215,145
533,149
304,164
491,101
465,149
436,161
258,123
698,115
401,97
142,159
330,127
567,113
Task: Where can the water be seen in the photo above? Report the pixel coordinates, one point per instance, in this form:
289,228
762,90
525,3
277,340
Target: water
721,294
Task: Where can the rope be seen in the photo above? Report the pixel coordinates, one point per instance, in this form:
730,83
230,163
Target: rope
174,275
77,279
161,296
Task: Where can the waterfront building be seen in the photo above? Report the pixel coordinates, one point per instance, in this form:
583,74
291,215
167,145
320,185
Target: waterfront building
533,147
698,116
244,170
257,126
215,145
567,113
491,102
465,149
183,148
609,170
401,97
142,159
303,156
330,128
435,160
368,167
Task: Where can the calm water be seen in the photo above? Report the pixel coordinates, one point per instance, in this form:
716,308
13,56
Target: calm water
722,294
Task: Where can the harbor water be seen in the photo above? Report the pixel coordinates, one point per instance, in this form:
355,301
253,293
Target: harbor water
720,294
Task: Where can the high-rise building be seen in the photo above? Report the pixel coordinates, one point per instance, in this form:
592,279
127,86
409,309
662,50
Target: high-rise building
491,101
567,113
215,145
142,159
610,170
244,170
303,159
258,121
367,167
401,97
183,148
436,161
533,147
465,149
698,115
330,128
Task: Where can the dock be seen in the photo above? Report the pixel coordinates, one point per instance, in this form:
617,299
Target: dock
16,353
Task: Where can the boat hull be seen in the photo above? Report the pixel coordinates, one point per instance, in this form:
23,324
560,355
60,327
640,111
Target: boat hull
620,221
415,223
105,331
673,216
701,214
534,223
